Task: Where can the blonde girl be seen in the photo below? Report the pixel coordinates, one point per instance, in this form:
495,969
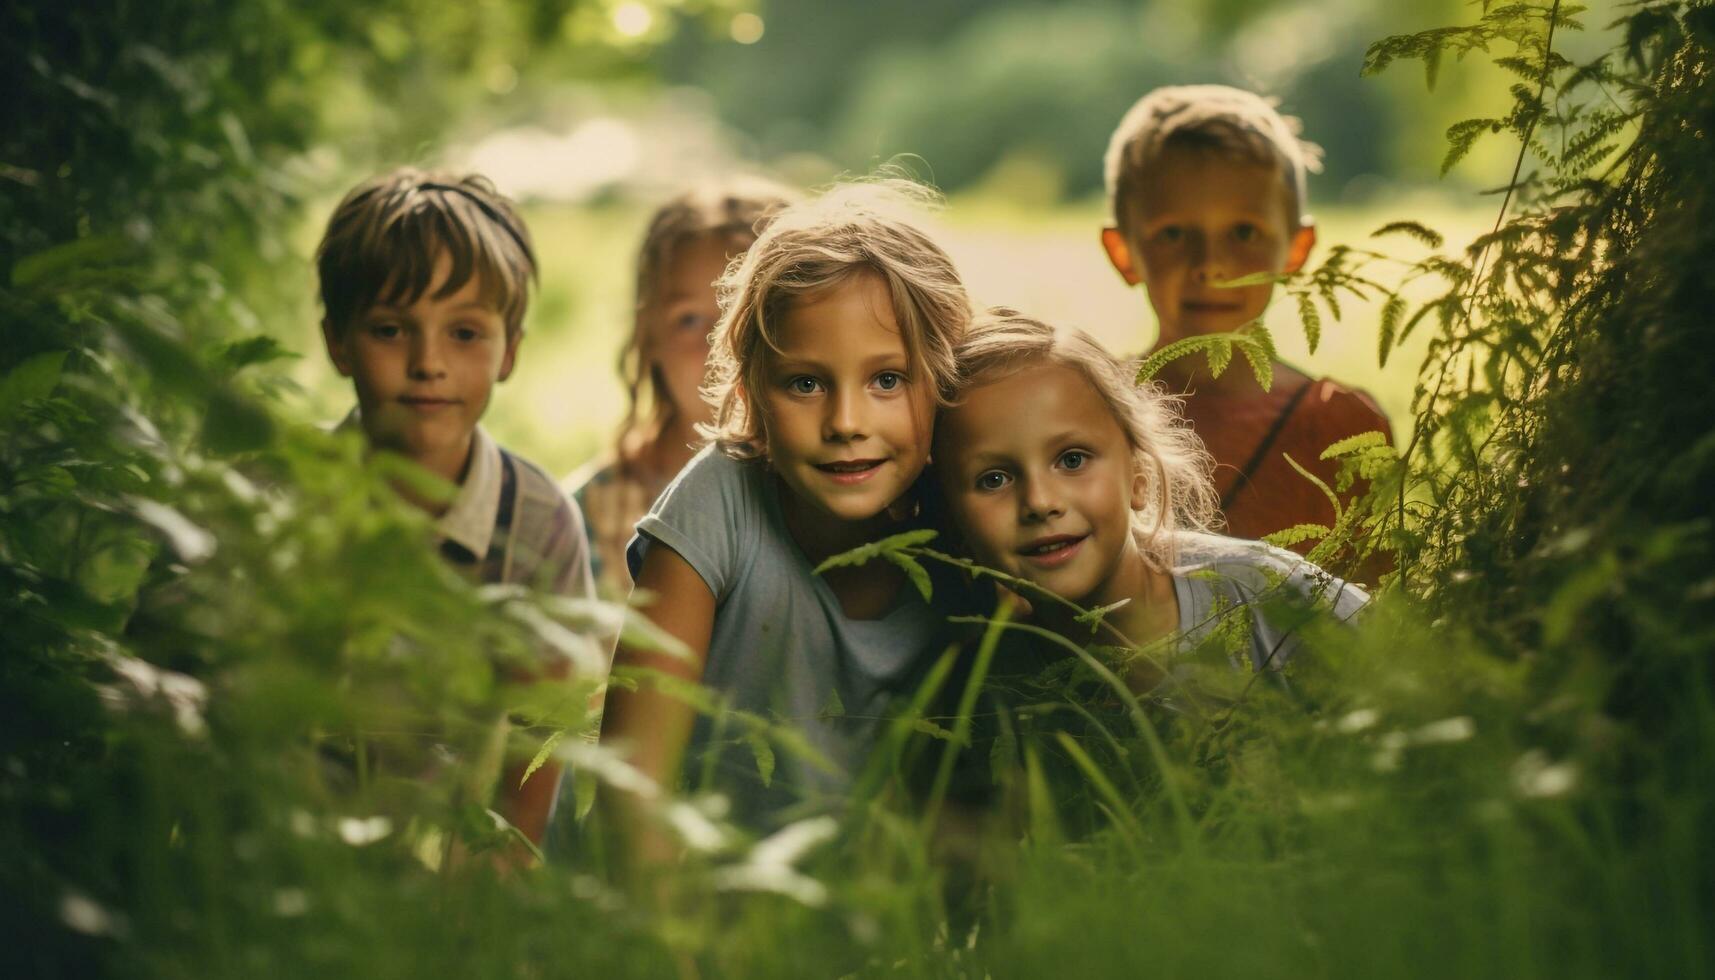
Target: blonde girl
1057,469
836,337
689,242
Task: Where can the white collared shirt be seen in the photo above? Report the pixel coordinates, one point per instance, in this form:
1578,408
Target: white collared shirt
540,541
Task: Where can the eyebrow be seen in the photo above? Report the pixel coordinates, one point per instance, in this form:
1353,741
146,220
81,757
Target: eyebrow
982,460
875,363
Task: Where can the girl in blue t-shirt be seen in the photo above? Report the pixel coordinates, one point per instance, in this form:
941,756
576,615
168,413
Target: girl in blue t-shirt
836,337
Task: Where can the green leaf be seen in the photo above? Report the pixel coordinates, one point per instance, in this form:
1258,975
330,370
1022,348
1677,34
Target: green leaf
1392,310
1219,356
933,730
1422,233
1150,366
862,554
53,265
260,349
764,755
542,755
1461,136
918,575
1254,279
1093,617
835,708
1257,344
1351,444
1297,533
1311,319
30,381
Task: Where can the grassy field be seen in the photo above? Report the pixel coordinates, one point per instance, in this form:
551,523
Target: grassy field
565,398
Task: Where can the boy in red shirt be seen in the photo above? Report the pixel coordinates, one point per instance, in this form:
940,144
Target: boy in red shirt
1207,185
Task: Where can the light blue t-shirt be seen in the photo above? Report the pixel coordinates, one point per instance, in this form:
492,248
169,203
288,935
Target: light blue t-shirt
781,647
1213,574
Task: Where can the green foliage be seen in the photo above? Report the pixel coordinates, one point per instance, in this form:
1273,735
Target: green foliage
249,721
1252,340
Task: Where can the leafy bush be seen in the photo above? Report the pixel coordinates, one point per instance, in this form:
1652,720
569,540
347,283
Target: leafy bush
246,712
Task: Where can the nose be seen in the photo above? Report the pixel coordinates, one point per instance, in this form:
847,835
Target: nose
844,421
1207,264
1039,502
427,359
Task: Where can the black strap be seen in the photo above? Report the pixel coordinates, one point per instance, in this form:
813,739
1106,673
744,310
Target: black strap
1273,433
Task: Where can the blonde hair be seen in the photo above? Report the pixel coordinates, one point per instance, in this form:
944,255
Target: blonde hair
854,229
384,238
1181,492
732,211
1206,117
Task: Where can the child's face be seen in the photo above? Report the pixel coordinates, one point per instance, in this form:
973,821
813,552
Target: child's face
423,372
1203,218
1041,481
847,423
679,319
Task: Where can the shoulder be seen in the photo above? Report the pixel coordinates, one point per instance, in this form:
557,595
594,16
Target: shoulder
714,472
542,509
1351,410
713,514
1254,570
599,471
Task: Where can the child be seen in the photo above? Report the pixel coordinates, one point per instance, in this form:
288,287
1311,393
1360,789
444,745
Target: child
836,334
1207,185
424,280
1058,470
687,246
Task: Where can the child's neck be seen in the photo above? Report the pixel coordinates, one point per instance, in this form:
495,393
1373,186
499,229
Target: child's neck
673,447
1151,613
821,537
865,592
451,465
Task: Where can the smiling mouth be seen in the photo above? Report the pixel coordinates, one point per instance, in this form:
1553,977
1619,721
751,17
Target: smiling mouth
850,470
1052,551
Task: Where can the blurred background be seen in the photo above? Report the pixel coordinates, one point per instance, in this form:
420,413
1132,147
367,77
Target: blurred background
590,113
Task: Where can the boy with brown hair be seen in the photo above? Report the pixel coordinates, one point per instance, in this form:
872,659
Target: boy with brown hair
424,281
1207,185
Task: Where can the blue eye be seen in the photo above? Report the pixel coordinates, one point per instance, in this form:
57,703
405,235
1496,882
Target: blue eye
889,380
1074,459
803,384
466,333
992,480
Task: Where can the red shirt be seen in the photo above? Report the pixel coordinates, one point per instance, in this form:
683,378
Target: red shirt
1275,496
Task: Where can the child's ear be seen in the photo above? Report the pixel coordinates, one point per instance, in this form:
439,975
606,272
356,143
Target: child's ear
1299,252
1119,253
1139,487
336,348
511,359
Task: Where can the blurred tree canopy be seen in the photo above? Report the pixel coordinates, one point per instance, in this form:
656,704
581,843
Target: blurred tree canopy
972,86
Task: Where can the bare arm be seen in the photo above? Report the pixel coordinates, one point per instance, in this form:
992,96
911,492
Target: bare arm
651,726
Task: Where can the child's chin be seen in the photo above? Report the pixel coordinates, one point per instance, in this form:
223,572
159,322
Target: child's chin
1214,321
